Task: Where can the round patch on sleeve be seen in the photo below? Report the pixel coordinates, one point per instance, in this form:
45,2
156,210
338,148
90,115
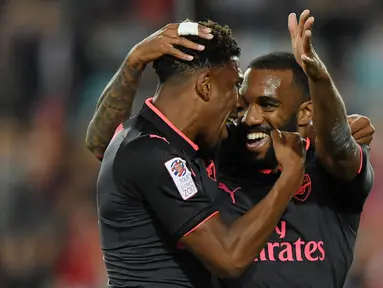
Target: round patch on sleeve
182,177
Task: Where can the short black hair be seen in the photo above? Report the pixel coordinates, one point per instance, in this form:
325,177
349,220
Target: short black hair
217,52
284,61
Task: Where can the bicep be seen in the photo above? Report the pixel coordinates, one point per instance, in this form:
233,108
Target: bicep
353,193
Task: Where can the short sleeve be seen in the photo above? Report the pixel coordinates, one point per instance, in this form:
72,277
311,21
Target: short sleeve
353,194
166,182
360,187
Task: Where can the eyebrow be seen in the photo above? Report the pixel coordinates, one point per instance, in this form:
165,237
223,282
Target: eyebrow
269,98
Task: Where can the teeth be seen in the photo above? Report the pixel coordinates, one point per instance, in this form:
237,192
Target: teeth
253,136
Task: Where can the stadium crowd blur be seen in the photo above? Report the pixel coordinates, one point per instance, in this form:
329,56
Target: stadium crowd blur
56,57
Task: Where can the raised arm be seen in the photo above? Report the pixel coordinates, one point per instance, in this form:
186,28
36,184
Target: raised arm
227,250
335,146
114,105
115,102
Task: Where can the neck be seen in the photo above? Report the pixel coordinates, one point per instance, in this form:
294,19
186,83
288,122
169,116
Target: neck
177,106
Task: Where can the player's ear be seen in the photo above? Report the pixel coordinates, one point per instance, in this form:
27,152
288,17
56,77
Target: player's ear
305,113
203,85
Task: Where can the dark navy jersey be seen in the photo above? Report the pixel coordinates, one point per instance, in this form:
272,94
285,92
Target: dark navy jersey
153,189
313,243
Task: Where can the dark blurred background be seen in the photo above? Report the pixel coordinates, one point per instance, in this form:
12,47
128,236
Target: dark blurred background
56,56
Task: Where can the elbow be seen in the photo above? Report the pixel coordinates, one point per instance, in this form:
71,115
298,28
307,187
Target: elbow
96,150
229,269
230,272
238,261
233,272
90,145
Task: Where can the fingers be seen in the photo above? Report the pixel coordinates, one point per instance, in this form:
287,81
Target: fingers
171,30
307,42
361,129
364,140
204,32
357,125
358,122
170,50
295,139
170,37
292,24
364,132
352,118
277,136
308,61
309,24
301,144
300,29
181,41
302,20
282,137
293,136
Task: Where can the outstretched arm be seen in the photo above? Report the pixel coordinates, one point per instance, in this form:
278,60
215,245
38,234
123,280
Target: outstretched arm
187,212
335,146
115,102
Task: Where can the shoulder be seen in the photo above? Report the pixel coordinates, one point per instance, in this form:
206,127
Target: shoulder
145,142
145,149
348,195
147,156
365,171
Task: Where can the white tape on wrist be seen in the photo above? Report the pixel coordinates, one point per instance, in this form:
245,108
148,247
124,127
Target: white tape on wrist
187,28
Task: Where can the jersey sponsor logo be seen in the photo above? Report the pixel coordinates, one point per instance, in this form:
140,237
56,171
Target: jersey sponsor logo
304,191
182,177
210,170
289,251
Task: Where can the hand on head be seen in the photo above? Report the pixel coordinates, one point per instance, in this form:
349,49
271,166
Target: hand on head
162,43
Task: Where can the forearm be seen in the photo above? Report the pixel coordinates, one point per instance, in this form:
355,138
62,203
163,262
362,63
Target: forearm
249,234
329,115
334,142
114,106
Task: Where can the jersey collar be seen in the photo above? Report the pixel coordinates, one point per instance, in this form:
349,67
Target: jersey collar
163,124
